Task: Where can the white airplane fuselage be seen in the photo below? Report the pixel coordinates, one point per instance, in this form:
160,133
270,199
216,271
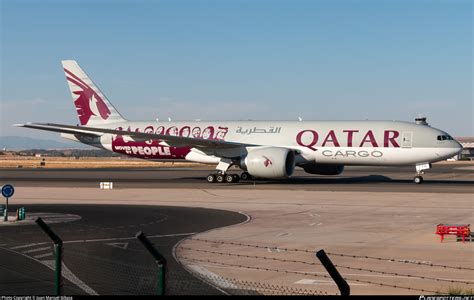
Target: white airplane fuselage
266,149
384,143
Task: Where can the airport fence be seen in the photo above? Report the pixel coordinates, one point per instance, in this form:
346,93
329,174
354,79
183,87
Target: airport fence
423,277
104,267
232,286
167,283
89,267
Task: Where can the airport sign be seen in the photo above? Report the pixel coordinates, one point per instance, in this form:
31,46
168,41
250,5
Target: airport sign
8,190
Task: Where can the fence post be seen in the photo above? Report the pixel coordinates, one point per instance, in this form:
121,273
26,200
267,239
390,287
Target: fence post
341,283
159,259
58,253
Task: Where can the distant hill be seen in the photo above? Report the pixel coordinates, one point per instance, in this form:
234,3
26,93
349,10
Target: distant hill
24,143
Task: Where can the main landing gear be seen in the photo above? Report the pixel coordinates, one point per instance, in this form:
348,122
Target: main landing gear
221,178
420,171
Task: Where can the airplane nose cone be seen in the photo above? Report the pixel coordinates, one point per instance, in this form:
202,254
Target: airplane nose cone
457,148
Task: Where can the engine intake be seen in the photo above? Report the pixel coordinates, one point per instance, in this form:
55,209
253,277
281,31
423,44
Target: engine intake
269,162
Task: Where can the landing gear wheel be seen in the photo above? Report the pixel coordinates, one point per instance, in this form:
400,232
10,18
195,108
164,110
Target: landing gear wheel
236,178
245,176
418,179
229,178
211,178
220,178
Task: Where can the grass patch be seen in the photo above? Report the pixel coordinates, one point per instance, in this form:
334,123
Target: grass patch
457,291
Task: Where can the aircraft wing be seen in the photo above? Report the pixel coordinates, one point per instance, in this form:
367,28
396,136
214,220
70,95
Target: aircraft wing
175,141
58,129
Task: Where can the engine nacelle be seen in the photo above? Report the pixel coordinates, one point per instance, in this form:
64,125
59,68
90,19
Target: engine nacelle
323,169
270,162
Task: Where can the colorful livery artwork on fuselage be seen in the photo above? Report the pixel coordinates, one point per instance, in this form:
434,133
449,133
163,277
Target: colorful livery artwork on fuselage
308,138
154,149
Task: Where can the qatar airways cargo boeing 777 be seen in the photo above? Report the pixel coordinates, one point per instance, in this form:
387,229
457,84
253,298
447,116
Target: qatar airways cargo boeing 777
262,149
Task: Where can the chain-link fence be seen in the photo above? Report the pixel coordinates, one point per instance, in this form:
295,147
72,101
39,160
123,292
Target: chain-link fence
388,274
242,287
126,267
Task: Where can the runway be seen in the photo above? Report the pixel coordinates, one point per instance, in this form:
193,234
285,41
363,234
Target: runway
101,253
442,178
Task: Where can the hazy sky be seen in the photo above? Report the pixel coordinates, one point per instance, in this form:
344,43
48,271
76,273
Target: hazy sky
242,59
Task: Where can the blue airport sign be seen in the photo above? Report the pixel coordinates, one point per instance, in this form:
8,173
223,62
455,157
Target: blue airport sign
7,190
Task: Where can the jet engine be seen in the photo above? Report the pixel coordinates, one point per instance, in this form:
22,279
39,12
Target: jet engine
269,162
323,169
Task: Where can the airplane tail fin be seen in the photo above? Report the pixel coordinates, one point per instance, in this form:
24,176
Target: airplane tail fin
92,106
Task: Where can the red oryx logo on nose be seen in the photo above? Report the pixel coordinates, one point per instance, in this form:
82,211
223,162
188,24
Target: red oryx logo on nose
88,103
267,162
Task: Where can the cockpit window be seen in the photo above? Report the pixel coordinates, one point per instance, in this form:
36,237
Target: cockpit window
444,137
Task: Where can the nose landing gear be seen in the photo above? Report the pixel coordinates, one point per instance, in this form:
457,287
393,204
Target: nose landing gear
420,171
418,179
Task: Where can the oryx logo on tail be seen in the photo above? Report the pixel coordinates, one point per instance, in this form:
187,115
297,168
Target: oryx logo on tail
92,106
89,103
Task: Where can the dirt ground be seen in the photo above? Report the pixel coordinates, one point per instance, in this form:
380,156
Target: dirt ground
85,162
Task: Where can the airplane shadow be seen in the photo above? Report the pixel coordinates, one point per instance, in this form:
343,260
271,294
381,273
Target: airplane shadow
369,179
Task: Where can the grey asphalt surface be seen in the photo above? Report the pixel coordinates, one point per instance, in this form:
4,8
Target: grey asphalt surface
442,178
101,251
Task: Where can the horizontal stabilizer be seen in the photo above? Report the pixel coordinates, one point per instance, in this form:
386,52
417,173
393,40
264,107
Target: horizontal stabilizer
58,129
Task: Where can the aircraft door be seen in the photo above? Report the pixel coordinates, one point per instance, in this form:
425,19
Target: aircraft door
407,139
